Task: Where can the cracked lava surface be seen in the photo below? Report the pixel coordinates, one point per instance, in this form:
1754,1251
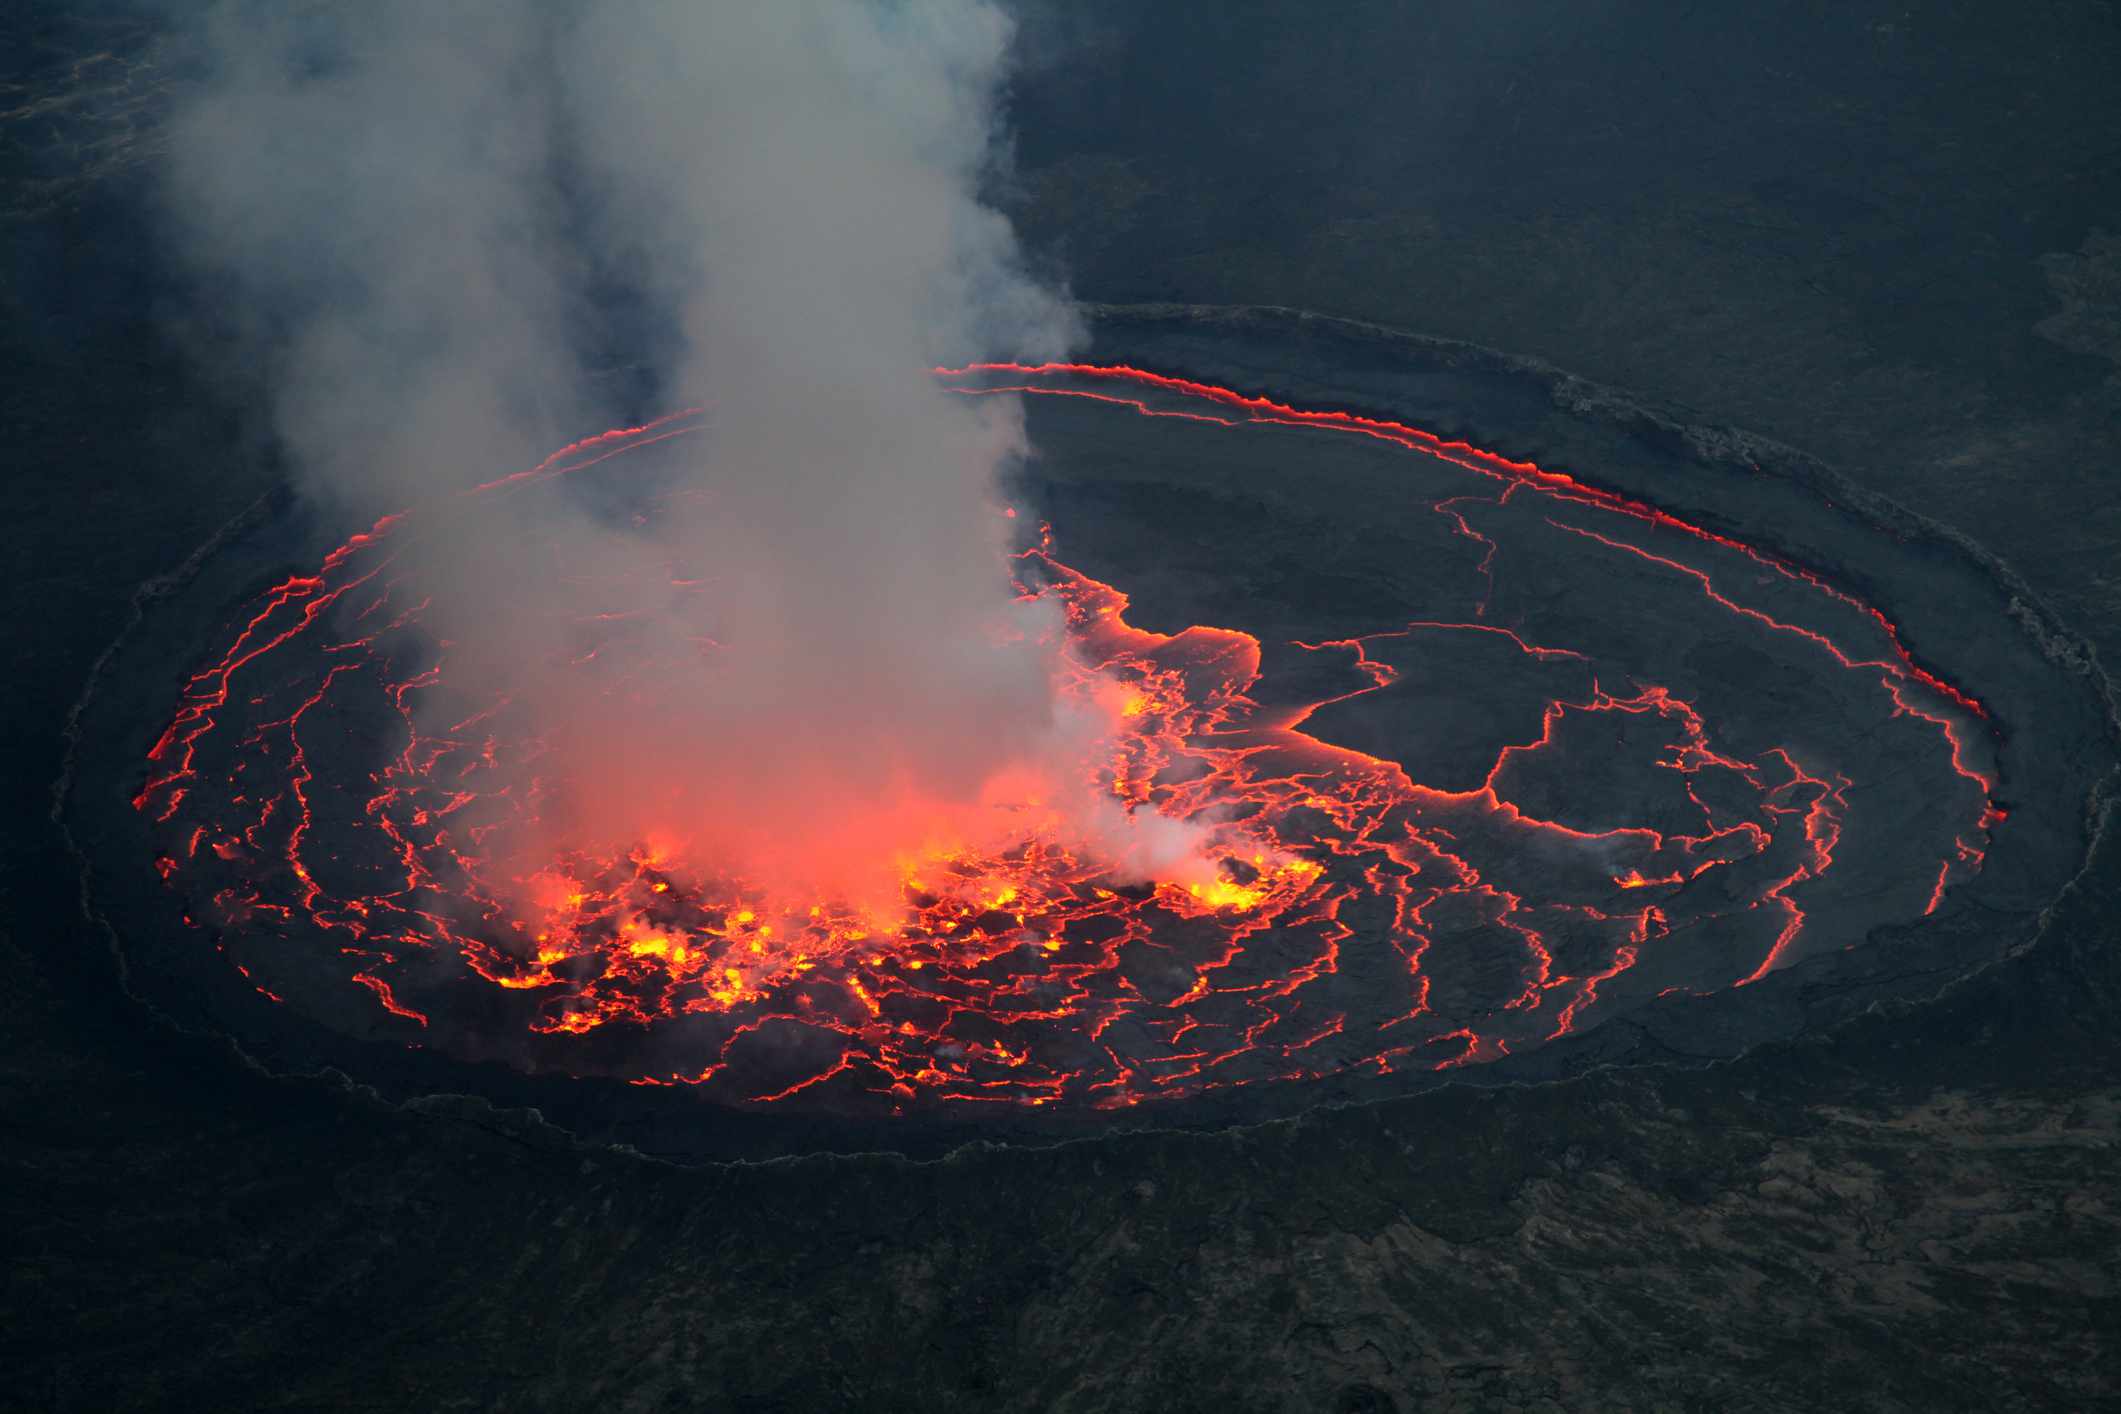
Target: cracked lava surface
1612,756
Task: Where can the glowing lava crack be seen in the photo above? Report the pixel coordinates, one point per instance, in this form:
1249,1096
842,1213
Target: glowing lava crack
1615,842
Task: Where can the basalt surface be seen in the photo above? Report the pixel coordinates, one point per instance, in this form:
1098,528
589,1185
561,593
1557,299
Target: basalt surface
1872,230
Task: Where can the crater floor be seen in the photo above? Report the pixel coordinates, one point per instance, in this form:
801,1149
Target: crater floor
1534,729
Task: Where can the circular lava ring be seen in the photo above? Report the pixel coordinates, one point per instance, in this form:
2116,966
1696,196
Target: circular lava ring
1635,724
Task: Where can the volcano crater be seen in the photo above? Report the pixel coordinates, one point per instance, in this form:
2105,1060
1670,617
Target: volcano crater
1536,728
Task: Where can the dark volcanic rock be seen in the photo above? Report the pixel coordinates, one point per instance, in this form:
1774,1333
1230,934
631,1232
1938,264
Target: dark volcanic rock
1821,222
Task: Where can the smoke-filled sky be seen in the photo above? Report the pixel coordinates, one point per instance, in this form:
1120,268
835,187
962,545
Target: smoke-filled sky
424,216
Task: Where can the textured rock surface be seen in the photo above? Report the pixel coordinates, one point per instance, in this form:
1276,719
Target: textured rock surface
1916,1213
1823,225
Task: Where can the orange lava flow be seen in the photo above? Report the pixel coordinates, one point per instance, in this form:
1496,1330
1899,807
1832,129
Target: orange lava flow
307,800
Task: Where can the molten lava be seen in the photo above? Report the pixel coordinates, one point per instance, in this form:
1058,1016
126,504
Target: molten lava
329,836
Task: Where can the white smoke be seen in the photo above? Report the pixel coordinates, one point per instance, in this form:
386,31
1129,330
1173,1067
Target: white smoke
414,204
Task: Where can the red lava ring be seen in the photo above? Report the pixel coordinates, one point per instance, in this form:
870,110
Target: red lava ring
1579,755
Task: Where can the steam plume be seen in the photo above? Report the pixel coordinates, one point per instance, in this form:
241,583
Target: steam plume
425,212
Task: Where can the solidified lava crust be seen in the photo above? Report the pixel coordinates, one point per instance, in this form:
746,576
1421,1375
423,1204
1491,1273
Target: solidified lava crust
1602,756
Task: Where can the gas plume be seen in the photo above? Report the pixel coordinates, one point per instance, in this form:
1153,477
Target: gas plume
435,223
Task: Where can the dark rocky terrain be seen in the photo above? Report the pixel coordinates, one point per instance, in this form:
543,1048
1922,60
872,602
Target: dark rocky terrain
1878,233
